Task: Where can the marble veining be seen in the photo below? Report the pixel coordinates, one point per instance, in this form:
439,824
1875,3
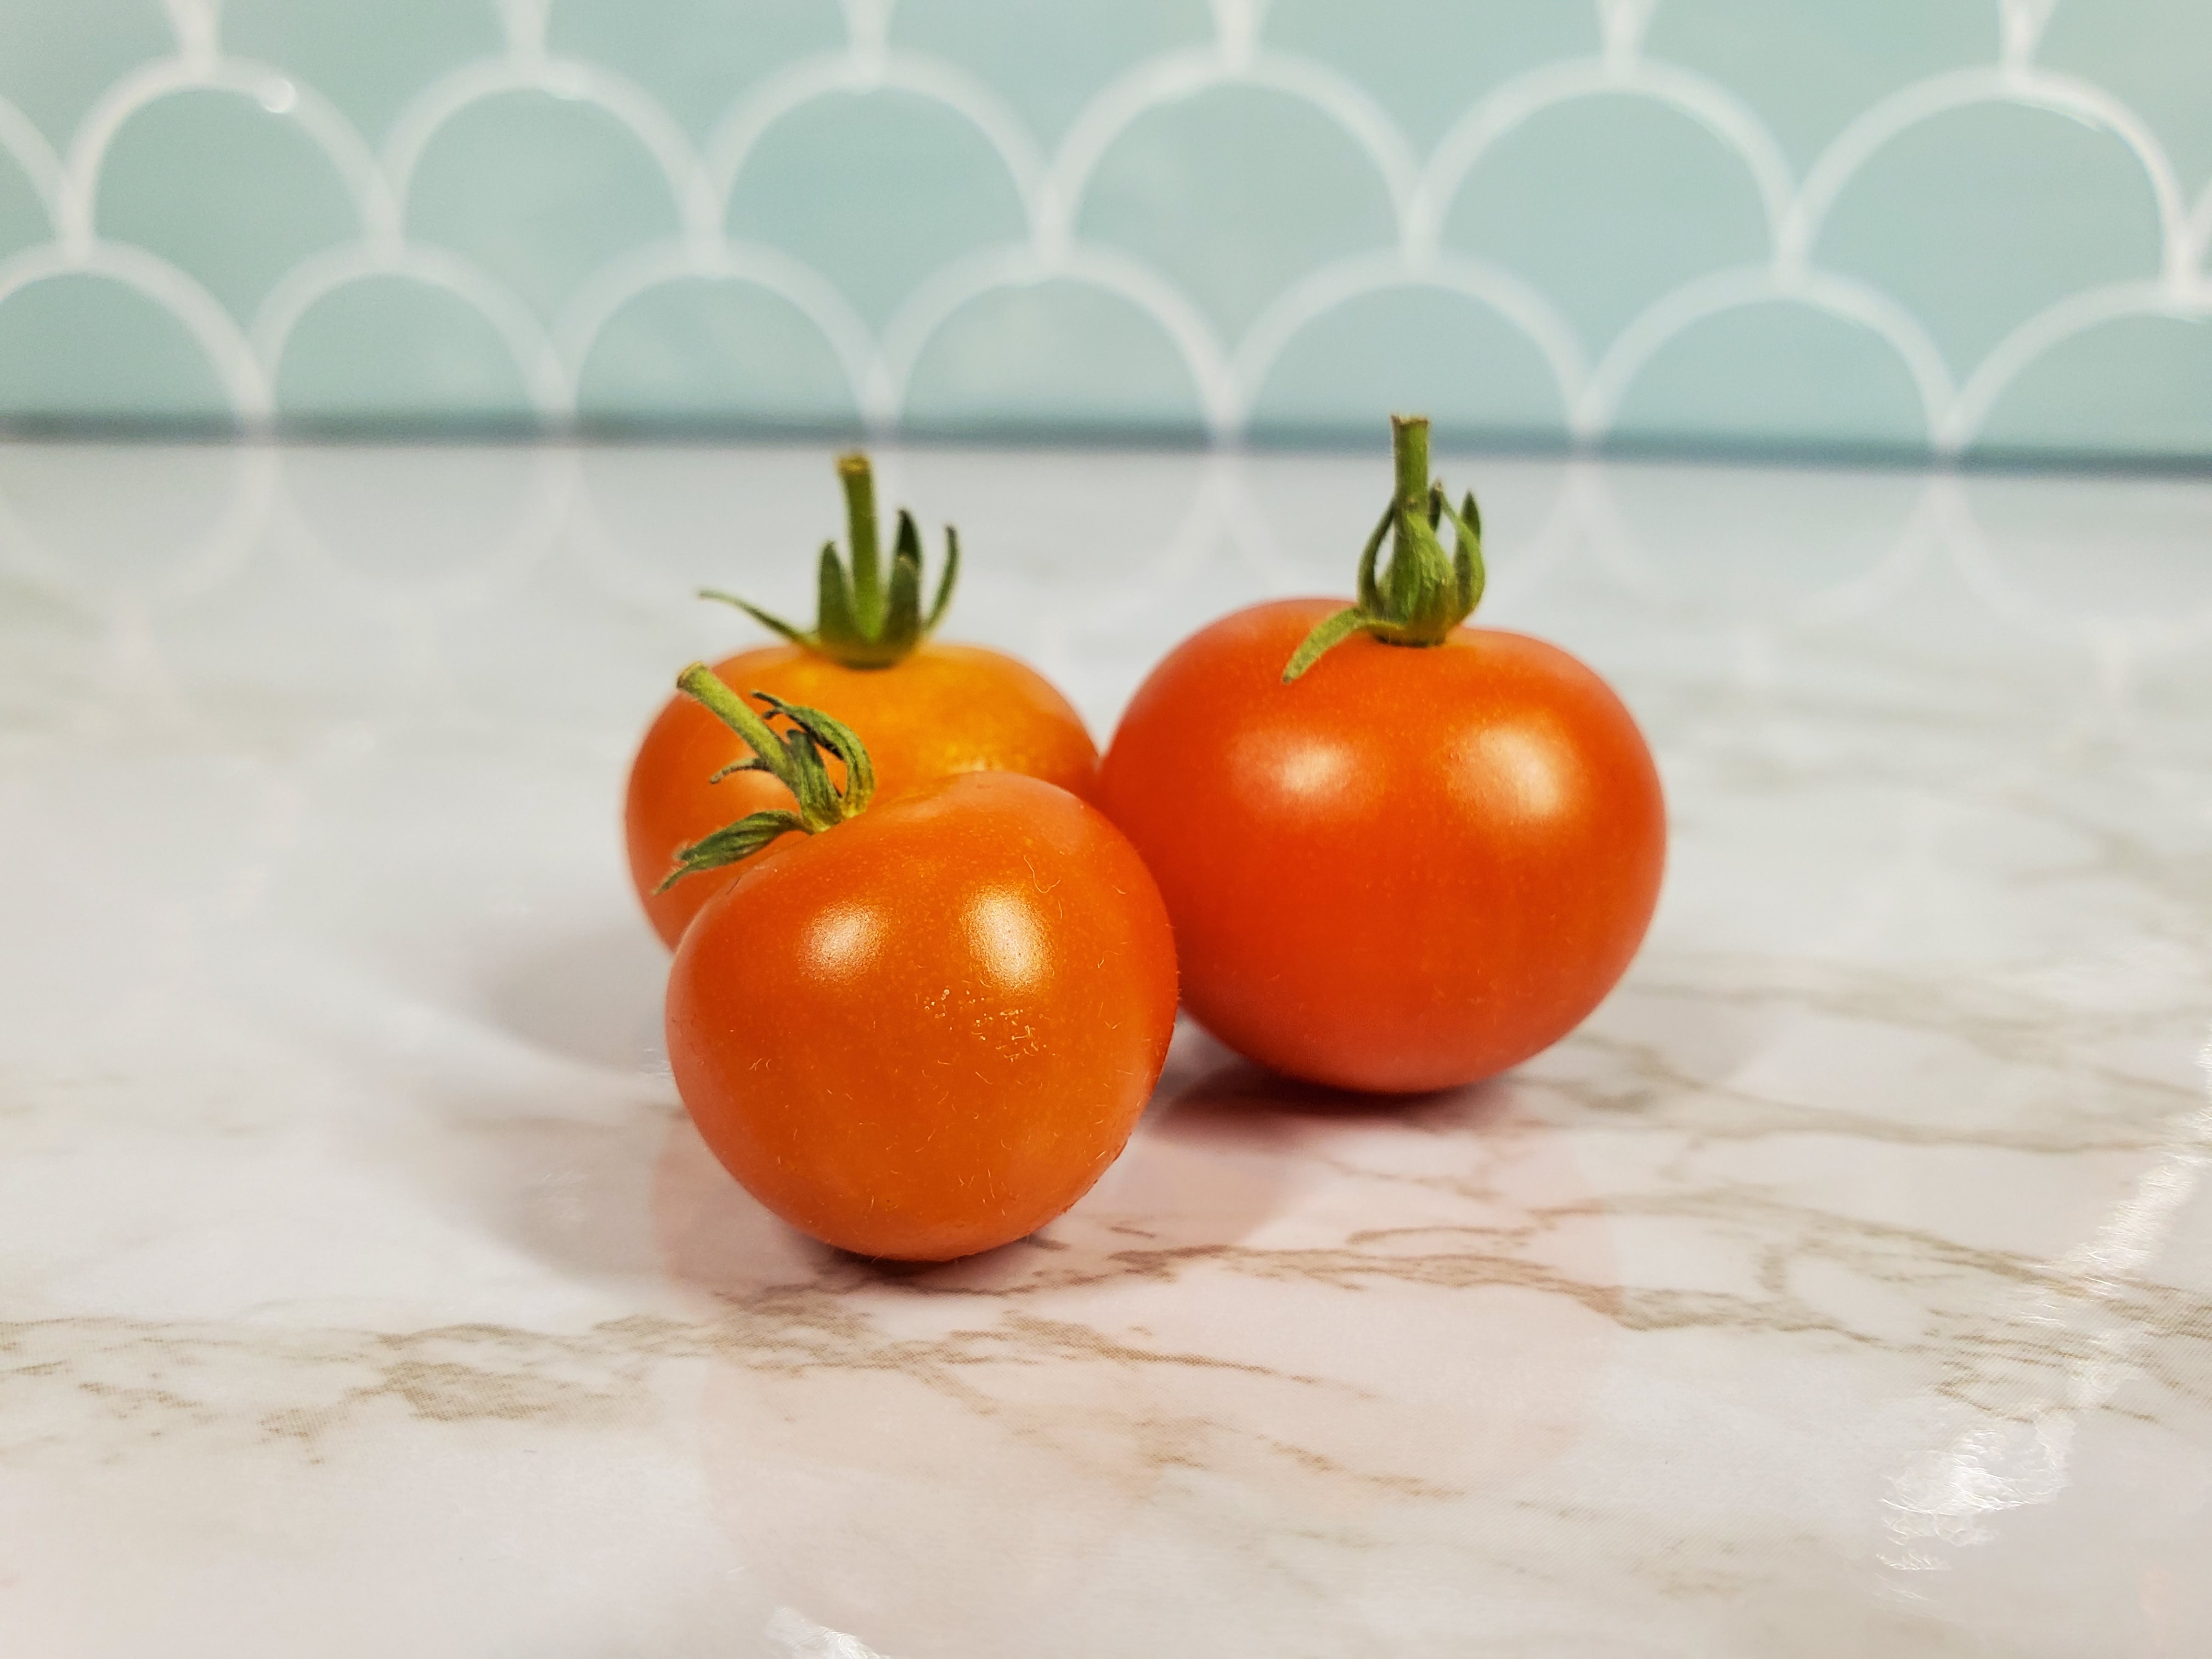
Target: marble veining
1843,1286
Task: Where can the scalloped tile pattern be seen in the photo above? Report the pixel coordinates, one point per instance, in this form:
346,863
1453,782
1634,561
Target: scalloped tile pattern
119,350
712,348
1808,70
1056,353
882,187
696,58
231,194
371,61
24,222
1050,62
1606,203
1453,354
1802,225
388,347
1267,191
1775,369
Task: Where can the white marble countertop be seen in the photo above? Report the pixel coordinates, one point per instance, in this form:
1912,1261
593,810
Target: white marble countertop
1844,1287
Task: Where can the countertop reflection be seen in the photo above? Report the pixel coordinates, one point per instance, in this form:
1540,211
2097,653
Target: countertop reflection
1843,1286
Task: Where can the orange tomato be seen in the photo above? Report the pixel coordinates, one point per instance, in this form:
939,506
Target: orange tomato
927,1029
925,710
943,710
1399,854
1411,869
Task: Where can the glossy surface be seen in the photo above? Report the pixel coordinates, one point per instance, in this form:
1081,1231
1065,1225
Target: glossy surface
927,1031
946,710
1408,870
1840,1287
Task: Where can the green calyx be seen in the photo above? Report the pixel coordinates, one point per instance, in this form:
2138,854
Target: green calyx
864,620
1423,592
792,757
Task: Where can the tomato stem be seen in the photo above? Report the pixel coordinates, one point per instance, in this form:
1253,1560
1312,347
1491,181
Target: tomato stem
1423,592
794,758
861,620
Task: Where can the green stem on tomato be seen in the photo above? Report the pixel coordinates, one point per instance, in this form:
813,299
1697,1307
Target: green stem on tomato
794,758
862,619
1423,592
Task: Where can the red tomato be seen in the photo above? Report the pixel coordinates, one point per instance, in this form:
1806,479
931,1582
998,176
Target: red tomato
1412,866
925,710
945,710
926,1030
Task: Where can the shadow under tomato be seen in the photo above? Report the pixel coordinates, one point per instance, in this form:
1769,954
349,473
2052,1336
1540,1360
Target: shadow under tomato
1284,1308
1193,1177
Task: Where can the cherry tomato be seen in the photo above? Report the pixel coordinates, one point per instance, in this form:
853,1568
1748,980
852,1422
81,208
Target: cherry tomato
925,710
945,710
1413,865
927,1030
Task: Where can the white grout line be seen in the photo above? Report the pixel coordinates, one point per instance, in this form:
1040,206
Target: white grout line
1227,376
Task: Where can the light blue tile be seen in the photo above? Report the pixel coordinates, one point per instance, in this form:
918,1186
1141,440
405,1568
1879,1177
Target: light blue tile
1061,355
1047,62
1774,374
2137,384
2153,57
876,190
1607,203
722,350
387,348
1979,218
370,60
1473,371
58,57
1809,70
1427,62
23,221
231,195
539,191
1234,193
699,58
93,347
1240,167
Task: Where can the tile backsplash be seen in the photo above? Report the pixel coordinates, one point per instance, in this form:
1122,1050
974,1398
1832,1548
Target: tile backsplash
1850,226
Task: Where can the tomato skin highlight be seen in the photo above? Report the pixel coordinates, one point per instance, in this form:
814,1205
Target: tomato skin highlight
1412,868
928,1030
945,710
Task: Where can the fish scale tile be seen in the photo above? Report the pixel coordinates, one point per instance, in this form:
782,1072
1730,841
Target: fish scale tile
387,347
1049,64
1429,64
697,348
697,58
120,352
59,57
1980,217
1948,225
1410,346
1777,369
1809,71
24,221
1606,203
2154,58
1266,190
372,62
540,192
879,191
1053,353
232,194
